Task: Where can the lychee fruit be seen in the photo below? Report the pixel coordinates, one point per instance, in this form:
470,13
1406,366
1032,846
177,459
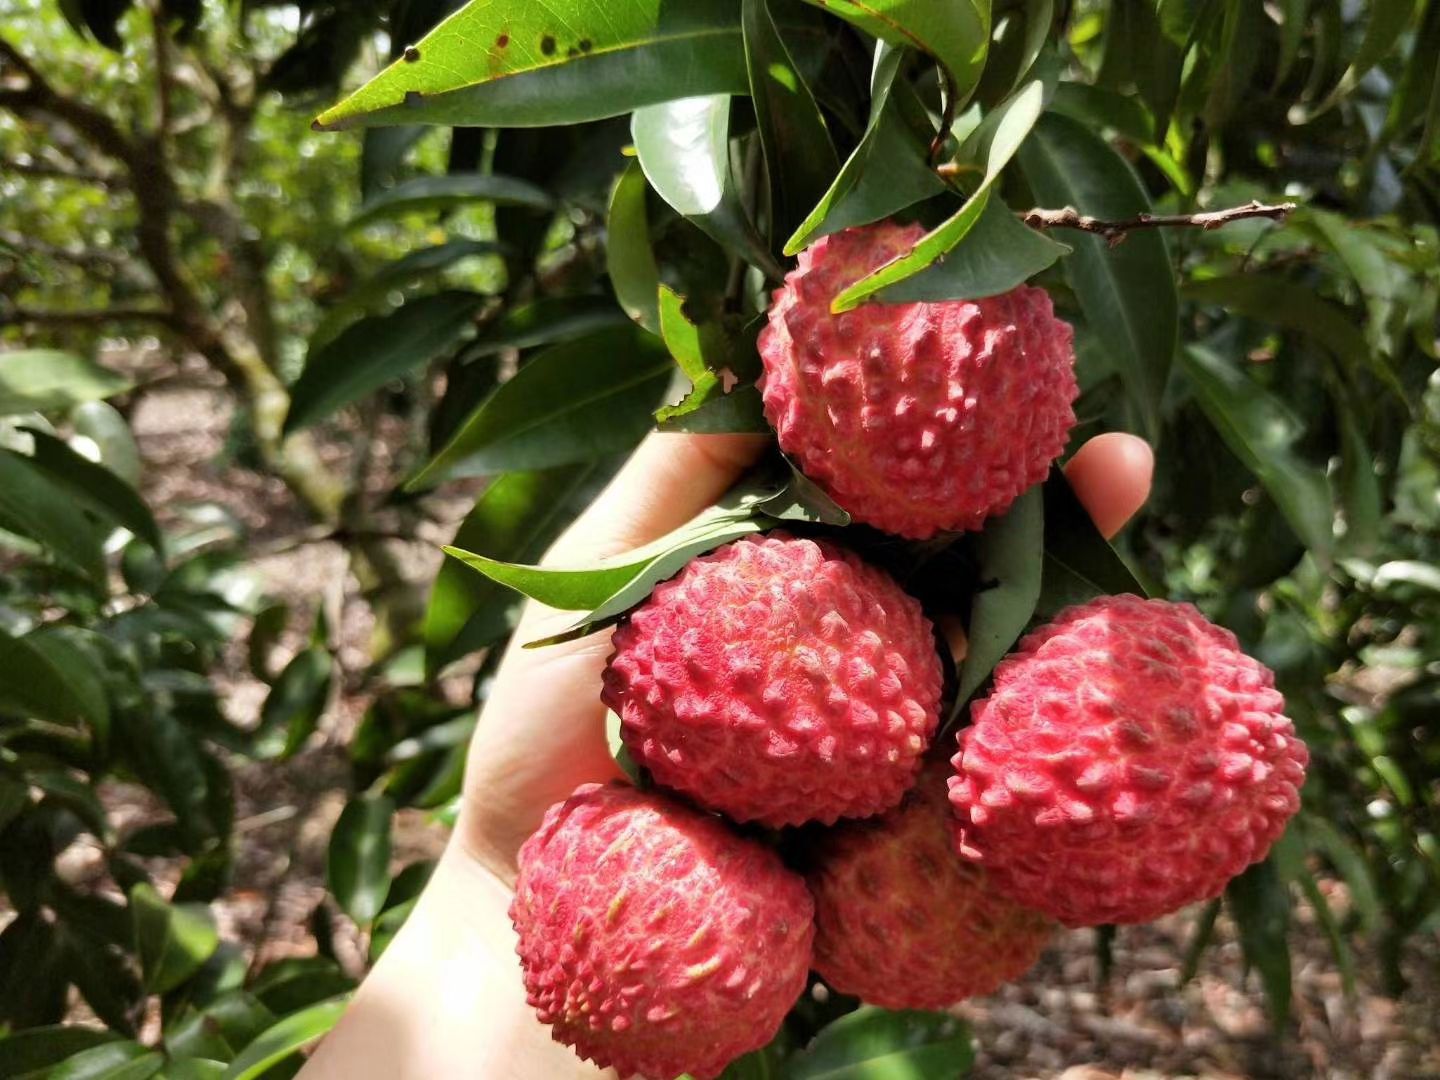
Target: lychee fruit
778,680
1129,760
916,418
653,939
902,921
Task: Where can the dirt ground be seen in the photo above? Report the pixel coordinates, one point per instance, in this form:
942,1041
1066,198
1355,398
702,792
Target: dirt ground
1061,1021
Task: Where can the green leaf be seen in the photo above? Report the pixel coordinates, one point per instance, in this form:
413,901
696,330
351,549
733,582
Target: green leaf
30,1055
629,257
546,321
395,276
34,505
285,1038
371,352
1127,292
107,428
286,986
1261,431
799,156
801,499
265,632
1200,939
612,587
1295,307
44,683
886,172
875,1044
999,253
1388,20
989,148
44,380
1260,904
357,867
1323,837
112,1061
1293,16
1009,553
219,1029
1359,488
524,65
295,703
1080,564
684,148
95,487
517,518
572,402
172,940
33,980
427,194
194,1069
706,356
956,33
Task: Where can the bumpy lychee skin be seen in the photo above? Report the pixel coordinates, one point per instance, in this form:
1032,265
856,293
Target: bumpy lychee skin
652,938
903,922
916,418
778,680
1130,760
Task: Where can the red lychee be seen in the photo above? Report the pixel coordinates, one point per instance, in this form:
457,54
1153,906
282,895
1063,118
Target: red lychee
778,680
1130,760
919,417
903,922
654,939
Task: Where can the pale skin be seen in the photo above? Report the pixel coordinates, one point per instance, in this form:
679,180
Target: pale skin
446,998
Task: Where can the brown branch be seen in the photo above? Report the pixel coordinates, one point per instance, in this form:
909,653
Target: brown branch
54,172
20,316
1117,230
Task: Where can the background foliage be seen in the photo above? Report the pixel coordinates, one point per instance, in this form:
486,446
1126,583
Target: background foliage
519,272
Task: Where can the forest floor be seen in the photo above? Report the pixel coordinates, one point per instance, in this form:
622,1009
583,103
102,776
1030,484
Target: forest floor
1061,1021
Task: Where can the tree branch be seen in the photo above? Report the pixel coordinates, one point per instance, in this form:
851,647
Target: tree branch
1116,231
54,172
19,316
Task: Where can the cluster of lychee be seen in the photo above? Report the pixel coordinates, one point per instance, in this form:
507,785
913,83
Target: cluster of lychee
1128,760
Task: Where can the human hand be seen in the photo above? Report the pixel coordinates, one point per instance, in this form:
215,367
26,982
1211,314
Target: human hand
542,732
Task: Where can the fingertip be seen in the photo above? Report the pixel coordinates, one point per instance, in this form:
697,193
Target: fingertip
1111,475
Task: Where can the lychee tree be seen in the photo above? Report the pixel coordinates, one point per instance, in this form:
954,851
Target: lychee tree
1233,206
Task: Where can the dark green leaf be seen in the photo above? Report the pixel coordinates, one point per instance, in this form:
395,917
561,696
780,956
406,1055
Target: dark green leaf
628,255
1359,488
95,487
387,925
30,1055
527,65
887,171
44,380
1127,292
707,357
428,194
1200,938
684,148
172,940
370,353
417,266
580,400
871,1044
358,864
798,153
295,703
50,680
1261,431
32,969
112,1061
287,986
33,504
194,1069
989,149
270,623
284,1039
107,428
1010,554
546,321
1298,308
1080,564
999,253
801,499
104,976
955,33
220,1029
517,518
1388,20
1260,904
